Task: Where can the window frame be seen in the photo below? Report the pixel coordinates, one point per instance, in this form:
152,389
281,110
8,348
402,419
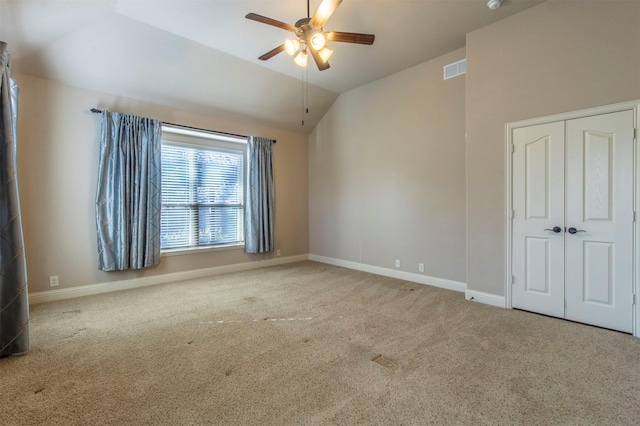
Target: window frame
207,140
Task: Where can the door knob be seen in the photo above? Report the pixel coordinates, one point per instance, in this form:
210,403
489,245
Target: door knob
575,231
555,229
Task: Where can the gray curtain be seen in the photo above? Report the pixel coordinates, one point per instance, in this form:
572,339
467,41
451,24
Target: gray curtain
128,198
260,196
14,300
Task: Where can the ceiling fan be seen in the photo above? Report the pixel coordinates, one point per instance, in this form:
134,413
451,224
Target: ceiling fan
310,36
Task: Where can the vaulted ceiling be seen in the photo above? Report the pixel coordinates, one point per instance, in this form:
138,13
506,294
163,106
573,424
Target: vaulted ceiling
202,55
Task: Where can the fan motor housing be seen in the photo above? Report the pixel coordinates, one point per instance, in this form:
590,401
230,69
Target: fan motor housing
303,21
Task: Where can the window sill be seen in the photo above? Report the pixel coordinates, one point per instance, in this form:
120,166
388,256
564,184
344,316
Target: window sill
200,250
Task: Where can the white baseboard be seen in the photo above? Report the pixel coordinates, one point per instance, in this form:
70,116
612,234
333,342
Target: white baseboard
91,289
486,298
87,290
393,273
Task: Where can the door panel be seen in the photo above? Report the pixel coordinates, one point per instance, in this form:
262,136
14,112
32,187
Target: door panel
598,150
599,205
536,185
537,266
598,273
538,204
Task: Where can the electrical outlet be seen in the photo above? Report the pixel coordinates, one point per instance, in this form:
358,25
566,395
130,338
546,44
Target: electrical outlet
53,281
278,253
420,267
397,263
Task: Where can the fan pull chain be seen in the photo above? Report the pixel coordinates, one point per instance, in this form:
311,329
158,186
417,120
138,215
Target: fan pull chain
302,92
305,93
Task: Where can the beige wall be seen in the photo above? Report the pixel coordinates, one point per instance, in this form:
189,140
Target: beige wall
58,146
385,169
387,173
557,57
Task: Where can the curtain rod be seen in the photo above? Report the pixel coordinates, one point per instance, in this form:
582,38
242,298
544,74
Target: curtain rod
98,111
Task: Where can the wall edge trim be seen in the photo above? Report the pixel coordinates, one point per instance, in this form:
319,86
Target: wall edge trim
107,287
387,272
485,298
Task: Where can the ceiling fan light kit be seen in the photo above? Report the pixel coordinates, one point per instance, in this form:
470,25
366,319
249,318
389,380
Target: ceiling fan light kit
291,46
301,58
318,41
325,53
311,36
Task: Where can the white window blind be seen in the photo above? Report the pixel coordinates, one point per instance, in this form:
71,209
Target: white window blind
202,196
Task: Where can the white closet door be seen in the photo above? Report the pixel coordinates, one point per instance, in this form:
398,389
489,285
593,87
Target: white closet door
538,204
599,206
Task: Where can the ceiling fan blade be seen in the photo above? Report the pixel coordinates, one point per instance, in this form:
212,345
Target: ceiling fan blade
319,62
351,37
273,52
269,21
324,12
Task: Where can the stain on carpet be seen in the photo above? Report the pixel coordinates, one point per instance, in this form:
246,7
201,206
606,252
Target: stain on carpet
75,334
386,362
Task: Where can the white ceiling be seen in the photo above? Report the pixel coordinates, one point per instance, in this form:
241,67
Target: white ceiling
202,55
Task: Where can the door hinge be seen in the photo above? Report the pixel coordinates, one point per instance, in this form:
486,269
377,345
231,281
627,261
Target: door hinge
513,279
513,148
634,300
635,133
633,219
513,214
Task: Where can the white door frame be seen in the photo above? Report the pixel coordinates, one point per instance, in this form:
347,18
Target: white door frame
509,127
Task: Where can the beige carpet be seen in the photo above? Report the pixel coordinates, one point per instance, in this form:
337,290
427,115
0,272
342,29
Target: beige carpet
311,344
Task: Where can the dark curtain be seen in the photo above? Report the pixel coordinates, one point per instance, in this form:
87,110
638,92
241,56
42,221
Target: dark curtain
129,197
14,300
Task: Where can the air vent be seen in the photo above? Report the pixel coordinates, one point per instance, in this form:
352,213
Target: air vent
455,69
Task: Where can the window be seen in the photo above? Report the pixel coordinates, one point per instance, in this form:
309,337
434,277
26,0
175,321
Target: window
202,190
